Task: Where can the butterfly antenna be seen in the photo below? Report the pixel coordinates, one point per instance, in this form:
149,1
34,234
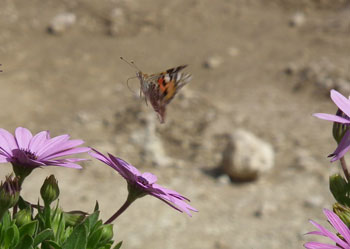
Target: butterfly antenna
131,63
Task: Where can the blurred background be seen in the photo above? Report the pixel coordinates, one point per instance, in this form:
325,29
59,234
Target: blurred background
239,140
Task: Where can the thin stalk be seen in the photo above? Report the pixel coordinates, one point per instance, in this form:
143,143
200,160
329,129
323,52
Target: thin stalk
345,168
120,211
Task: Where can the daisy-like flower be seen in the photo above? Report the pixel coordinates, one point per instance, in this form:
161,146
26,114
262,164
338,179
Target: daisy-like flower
339,226
27,152
141,184
343,118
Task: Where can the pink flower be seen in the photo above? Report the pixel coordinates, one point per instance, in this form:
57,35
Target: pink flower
343,118
31,152
338,225
141,184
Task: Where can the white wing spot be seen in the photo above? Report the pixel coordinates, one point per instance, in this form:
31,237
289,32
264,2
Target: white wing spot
167,78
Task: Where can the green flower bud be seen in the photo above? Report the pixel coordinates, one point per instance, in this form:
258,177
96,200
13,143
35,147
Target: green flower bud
21,171
23,217
107,232
74,218
50,191
339,188
9,193
339,129
343,212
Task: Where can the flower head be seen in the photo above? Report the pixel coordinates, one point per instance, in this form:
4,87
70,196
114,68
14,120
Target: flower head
343,117
341,242
141,184
28,151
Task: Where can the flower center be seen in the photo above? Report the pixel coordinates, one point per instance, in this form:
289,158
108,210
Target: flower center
29,154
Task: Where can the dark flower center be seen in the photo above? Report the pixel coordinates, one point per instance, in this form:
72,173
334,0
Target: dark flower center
29,154
142,180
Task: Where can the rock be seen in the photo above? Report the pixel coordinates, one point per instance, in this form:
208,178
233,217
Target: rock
213,62
314,201
246,156
297,20
152,148
264,209
61,23
117,21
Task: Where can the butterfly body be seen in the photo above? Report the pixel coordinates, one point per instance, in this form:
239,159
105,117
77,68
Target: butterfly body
159,89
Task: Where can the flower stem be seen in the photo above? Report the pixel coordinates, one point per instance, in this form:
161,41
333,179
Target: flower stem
120,210
345,169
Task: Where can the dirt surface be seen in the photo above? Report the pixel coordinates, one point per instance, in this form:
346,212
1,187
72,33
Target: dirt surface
274,63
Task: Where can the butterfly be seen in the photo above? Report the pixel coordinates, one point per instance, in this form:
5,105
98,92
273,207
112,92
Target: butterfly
160,88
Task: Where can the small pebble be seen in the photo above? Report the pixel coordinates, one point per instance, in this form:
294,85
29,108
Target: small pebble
61,23
297,20
213,62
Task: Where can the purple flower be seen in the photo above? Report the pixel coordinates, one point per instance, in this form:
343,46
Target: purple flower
339,226
141,184
30,151
344,106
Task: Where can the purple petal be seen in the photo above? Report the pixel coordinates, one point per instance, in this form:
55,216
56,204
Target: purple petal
342,102
39,141
149,177
7,141
330,235
317,233
3,159
128,171
99,156
331,117
67,153
338,224
343,147
62,163
317,245
52,145
23,137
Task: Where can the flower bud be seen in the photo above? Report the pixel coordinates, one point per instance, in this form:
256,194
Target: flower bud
50,191
343,213
339,188
339,130
23,217
74,218
9,193
107,232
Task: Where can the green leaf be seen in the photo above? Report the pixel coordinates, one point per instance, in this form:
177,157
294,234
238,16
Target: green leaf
49,244
94,238
25,243
78,238
11,237
28,228
119,245
96,207
22,204
91,220
42,236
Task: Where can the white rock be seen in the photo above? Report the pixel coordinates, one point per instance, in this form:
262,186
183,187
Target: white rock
314,201
246,156
151,144
117,21
62,22
297,20
213,62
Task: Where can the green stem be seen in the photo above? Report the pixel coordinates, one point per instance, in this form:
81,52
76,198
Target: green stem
120,210
345,168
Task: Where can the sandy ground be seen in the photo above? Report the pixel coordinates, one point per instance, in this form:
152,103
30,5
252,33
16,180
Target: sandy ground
75,83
